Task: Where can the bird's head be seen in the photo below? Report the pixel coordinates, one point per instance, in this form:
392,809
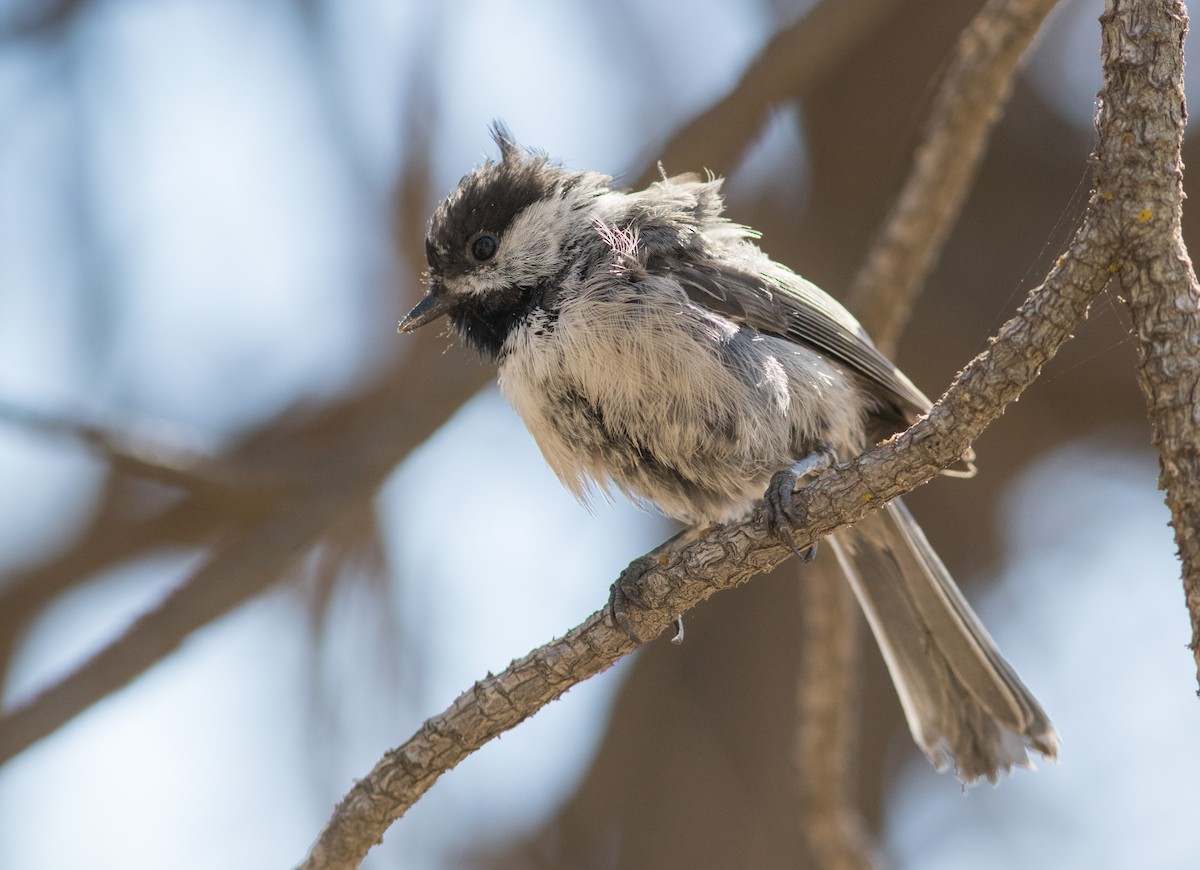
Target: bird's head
498,240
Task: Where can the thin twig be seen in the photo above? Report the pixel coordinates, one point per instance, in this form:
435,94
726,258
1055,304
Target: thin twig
134,451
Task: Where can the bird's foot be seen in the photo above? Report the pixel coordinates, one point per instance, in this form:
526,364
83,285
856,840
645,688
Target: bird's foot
779,499
624,594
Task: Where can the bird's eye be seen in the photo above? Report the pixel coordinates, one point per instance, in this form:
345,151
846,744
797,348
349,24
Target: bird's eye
484,247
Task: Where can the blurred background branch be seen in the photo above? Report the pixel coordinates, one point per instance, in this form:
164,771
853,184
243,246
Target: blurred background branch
968,104
40,19
794,62
969,101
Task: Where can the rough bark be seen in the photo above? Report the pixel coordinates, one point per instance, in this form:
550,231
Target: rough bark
1141,118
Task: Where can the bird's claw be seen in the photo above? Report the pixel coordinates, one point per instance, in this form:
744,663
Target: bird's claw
624,594
626,590
779,500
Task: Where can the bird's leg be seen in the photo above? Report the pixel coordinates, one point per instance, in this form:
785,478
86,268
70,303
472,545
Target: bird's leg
779,498
624,591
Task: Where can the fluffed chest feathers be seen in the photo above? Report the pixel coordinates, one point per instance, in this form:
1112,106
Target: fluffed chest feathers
693,419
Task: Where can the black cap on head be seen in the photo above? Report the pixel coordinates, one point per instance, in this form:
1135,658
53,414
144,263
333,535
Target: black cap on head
487,200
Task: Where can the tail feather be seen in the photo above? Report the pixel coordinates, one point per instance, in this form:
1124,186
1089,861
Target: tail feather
961,698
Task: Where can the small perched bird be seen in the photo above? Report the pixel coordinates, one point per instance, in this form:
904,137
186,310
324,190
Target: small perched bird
648,343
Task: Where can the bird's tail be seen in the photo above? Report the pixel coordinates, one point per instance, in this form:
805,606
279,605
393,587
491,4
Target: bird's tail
961,698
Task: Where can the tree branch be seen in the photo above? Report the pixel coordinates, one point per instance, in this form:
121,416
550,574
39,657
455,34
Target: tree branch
827,723
1142,116
236,574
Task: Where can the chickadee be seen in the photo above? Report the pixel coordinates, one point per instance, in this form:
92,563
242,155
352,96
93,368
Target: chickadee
648,343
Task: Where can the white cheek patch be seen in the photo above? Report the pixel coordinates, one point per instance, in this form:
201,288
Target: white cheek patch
530,250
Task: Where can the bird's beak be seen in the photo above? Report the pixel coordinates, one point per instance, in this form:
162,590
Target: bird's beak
433,306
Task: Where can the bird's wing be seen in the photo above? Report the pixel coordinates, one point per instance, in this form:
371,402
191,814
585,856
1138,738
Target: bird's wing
780,303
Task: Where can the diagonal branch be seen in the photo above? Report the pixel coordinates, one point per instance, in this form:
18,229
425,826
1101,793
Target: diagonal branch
258,538
228,579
